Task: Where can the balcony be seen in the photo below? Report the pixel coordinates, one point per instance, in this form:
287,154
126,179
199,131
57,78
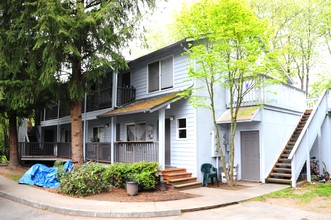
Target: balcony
96,101
46,150
278,95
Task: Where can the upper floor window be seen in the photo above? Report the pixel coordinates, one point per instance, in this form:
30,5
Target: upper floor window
160,74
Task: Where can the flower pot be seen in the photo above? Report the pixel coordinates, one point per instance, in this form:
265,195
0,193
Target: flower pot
163,186
132,188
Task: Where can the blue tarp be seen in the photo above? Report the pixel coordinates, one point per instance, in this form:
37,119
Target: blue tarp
41,175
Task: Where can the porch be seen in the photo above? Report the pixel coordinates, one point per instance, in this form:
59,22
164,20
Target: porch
124,152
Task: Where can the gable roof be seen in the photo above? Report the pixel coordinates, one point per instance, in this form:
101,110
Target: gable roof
144,105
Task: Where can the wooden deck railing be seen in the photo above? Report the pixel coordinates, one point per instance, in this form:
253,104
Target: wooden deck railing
46,149
135,151
98,151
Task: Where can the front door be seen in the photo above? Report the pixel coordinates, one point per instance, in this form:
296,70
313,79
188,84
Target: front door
250,155
167,143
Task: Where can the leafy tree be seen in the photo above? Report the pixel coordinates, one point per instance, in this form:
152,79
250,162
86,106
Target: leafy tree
84,37
230,50
297,34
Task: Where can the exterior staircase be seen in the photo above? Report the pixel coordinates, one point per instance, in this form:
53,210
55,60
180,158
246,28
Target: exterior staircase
178,178
281,172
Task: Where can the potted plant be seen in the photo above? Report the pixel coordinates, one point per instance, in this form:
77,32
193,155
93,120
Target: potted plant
132,185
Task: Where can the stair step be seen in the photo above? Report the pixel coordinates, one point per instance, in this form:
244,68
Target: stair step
182,180
276,180
187,185
283,159
173,170
283,164
281,174
178,175
285,155
282,169
291,143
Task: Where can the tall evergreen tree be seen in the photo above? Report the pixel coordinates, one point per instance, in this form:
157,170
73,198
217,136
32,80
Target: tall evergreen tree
86,37
19,67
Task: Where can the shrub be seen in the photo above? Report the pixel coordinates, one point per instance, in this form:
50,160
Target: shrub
145,172
84,180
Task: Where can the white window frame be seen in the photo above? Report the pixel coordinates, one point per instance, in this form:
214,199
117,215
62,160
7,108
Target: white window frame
180,129
160,74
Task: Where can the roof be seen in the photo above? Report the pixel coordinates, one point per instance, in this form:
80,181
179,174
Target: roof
245,114
144,105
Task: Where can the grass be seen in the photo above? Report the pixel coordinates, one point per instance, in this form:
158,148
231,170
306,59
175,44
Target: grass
14,177
309,191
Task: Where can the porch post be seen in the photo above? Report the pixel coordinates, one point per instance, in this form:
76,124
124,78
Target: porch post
162,138
112,141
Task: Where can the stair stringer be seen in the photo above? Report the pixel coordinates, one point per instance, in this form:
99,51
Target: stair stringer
301,150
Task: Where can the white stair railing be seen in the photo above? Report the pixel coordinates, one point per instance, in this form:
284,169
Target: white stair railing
302,147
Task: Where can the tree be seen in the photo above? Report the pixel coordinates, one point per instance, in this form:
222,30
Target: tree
230,50
19,68
297,34
85,37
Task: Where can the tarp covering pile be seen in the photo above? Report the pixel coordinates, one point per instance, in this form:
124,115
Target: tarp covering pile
41,175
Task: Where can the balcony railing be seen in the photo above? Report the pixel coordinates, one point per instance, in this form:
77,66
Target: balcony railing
134,151
46,149
278,95
98,151
96,101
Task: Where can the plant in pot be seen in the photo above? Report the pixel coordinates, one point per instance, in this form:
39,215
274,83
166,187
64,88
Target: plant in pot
132,184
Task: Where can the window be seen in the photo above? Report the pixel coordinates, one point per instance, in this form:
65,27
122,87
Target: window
67,136
136,132
160,74
181,128
98,134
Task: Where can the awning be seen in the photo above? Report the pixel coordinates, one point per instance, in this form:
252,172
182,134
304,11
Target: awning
245,114
144,105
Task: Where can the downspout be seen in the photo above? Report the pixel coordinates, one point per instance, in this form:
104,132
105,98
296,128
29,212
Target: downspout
113,124
84,126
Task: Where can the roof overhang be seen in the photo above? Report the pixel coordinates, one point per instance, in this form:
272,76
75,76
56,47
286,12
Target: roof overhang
245,114
144,105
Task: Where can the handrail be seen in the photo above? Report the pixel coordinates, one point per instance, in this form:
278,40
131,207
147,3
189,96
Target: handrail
305,128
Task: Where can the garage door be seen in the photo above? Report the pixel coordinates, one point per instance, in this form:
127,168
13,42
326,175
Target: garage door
250,155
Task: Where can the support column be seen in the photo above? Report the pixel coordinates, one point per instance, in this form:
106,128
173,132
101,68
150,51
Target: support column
162,138
113,139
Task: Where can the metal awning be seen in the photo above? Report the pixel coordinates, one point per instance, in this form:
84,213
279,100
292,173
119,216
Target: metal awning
245,114
144,105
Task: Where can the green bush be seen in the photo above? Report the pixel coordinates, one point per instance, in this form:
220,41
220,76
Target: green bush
84,180
3,159
146,174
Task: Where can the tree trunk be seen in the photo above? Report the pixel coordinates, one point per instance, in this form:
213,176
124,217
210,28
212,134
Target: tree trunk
76,132
13,152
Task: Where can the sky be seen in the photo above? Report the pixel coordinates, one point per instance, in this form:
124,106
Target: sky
155,24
